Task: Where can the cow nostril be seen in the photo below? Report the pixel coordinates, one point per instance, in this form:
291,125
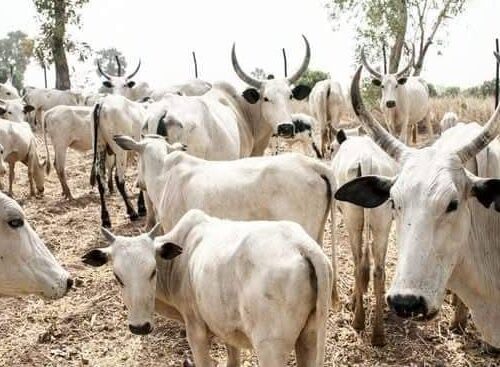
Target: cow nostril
390,104
69,283
407,305
141,329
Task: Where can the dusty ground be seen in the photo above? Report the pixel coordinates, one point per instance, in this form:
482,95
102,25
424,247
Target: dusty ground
88,327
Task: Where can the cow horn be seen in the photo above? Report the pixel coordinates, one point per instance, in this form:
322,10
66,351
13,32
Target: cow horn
410,64
305,63
119,65
497,55
386,141
102,71
241,74
483,138
371,70
135,71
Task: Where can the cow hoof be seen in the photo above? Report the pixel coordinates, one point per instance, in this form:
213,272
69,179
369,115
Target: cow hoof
106,223
142,212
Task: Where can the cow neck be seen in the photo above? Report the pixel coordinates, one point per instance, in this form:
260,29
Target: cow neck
261,132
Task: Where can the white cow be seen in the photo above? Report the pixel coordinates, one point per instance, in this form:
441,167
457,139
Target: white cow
448,230
359,156
44,99
8,91
19,144
449,120
260,285
15,109
28,267
405,100
195,87
326,103
69,127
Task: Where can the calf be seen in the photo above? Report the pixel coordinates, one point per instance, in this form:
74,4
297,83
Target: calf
15,110
359,156
260,285
19,144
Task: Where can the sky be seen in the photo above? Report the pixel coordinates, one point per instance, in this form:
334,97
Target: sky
164,33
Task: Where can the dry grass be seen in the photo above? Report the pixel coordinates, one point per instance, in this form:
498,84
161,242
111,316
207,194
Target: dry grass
88,327
467,108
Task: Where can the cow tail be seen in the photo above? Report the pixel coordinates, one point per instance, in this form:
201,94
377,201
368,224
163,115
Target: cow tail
95,124
44,131
365,168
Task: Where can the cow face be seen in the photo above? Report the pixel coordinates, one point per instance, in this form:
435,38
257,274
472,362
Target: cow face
274,98
27,266
8,91
15,110
121,85
134,265
389,85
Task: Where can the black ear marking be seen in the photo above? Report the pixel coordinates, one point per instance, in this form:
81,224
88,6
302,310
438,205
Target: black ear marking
367,192
301,92
2,111
107,84
131,84
402,81
251,95
95,257
28,108
341,136
169,251
487,191
376,82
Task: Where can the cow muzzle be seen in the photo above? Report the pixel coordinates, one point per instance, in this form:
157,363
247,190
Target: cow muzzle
390,104
286,130
410,306
143,329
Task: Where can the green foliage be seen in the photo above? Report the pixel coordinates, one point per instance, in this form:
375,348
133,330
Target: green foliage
311,77
371,93
259,73
487,89
16,50
106,58
432,90
451,92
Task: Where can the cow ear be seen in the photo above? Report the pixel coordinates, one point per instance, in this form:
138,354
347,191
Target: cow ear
97,257
251,95
367,192
486,192
168,250
127,143
107,84
376,82
402,81
341,137
28,108
130,84
2,111
301,92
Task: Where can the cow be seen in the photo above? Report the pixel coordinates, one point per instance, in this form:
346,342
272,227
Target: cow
448,230
304,129
7,89
43,99
69,127
195,87
326,103
449,120
15,110
19,144
359,156
28,267
405,100
258,284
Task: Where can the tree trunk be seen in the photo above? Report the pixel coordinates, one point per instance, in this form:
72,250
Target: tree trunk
397,48
58,51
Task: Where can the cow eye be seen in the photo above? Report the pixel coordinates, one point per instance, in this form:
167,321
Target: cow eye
392,204
15,223
153,274
10,113
291,96
118,279
452,206
266,99
8,93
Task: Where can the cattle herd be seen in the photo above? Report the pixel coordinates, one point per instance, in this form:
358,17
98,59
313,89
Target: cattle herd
233,242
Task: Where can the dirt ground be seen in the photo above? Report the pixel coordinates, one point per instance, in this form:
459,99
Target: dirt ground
88,327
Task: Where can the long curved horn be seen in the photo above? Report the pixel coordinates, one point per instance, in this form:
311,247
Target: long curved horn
497,55
119,65
371,70
101,71
241,74
484,137
305,63
410,64
386,141
195,65
135,71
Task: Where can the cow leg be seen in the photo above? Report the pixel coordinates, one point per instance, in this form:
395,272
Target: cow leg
460,316
233,356
428,124
12,165
60,167
141,206
104,211
354,219
379,249
150,212
272,353
404,132
31,178
121,161
305,346
325,133
197,336
110,164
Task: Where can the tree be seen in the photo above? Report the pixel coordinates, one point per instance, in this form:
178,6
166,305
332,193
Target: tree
394,22
15,50
106,57
311,77
54,16
259,74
